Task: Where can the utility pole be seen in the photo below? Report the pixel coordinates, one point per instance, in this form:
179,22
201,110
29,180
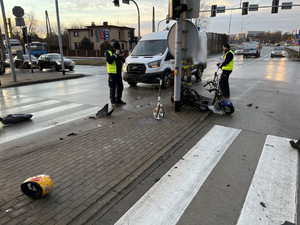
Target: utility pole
60,40
153,20
13,72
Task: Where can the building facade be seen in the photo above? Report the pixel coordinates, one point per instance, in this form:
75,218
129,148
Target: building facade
100,34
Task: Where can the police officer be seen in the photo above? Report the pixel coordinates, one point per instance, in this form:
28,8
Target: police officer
114,60
227,67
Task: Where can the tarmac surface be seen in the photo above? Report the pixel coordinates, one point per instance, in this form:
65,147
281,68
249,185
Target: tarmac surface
92,170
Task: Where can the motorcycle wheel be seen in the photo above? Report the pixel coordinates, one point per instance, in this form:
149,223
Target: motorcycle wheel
228,109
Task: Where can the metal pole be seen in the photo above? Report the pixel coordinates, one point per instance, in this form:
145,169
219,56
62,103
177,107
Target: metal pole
153,20
139,26
178,52
229,23
29,49
60,40
13,72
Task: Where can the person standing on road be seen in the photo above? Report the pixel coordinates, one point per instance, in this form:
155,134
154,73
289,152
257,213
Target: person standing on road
114,61
227,67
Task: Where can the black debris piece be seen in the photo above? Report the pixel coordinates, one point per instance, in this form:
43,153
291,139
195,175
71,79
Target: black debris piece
263,204
72,134
92,117
249,105
256,107
15,118
288,223
295,145
104,112
156,180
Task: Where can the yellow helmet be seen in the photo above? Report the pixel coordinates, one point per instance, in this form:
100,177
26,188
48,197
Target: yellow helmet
37,186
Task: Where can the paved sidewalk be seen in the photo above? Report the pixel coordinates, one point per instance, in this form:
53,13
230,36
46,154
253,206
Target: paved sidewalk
25,77
93,169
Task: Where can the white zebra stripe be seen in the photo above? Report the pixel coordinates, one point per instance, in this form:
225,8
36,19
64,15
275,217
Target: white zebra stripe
166,201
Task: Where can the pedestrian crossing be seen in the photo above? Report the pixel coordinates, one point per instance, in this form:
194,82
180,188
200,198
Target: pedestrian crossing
271,197
47,114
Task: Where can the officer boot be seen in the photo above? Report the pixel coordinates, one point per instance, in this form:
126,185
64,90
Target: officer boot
295,145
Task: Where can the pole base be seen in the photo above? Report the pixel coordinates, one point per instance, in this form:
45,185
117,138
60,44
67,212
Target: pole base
177,106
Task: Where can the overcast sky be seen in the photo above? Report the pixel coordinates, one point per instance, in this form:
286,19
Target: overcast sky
83,12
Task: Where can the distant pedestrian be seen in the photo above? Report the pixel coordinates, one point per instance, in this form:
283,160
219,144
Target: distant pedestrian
227,67
114,61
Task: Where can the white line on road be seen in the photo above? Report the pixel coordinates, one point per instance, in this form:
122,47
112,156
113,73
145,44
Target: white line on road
166,201
31,129
272,196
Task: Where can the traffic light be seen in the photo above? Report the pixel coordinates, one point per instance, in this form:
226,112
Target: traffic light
275,4
213,11
245,8
116,3
176,8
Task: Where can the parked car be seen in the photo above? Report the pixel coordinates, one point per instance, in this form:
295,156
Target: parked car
239,50
251,49
25,62
278,52
53,61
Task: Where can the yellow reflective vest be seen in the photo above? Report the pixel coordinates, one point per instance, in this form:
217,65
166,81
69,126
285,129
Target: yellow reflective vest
229,66
111,68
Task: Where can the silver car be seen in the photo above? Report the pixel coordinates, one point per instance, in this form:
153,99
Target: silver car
278,52
239,51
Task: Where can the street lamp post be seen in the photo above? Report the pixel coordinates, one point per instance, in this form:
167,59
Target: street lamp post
139,25
59,39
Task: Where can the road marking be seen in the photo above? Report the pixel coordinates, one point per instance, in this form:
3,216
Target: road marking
8,135
166,201
75,92
16,101
272,196
52,110
28,107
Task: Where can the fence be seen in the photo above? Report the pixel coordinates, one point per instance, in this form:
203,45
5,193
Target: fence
215,42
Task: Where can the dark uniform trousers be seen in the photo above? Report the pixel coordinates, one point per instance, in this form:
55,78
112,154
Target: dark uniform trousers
116,87
224,84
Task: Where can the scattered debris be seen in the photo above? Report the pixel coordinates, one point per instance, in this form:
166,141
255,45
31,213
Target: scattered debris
263,204
156,180
15,118
175,167
196,155
288,223
169,175
8,210
249,105
37,186
92,117
72,134
61,139
295,145
138,98
104,112
228,185
256,107
271,112
269,145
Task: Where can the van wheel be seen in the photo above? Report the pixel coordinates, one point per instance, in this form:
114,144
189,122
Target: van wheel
166,80
133,84
199,73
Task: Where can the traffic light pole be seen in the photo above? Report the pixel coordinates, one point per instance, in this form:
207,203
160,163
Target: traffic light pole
60,40
13,72
139,23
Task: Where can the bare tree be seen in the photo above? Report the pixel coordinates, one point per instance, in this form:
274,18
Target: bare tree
203,20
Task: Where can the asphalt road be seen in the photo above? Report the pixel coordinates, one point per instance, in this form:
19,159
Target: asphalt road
270,85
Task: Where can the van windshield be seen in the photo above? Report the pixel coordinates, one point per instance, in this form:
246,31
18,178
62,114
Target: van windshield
150,48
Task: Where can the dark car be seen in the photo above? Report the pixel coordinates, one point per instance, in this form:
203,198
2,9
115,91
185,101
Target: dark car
25,62
53,61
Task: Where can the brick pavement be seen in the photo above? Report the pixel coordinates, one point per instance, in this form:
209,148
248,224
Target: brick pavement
92,169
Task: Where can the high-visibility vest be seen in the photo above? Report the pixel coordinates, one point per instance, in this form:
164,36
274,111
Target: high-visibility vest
229,66
111,68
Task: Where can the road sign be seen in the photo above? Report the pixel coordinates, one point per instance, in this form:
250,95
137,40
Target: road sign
18,11
253,7
191,39
221,9
20,21
125,1
286,5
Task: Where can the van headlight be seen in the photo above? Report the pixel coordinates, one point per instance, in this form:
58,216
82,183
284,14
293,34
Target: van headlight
154,64
125,67
58,63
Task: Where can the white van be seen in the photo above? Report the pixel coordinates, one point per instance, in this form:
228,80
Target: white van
151,59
